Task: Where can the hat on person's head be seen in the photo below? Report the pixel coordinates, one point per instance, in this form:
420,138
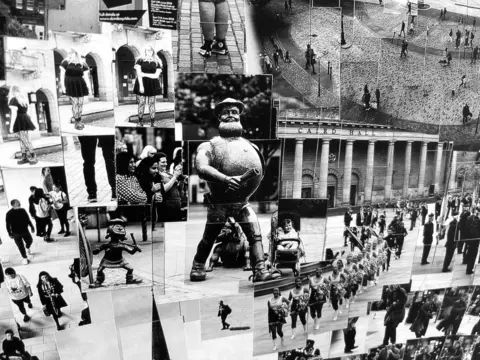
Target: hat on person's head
431,215
9,331
310,342
228,102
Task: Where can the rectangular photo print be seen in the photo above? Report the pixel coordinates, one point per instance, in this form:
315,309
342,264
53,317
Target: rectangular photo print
210,37
149,170
90,169
210,105
30,119
83,71
109,251
143,80
430,348
239,196
299,46
460,347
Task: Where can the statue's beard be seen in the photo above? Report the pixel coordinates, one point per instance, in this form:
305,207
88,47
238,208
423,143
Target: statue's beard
230,129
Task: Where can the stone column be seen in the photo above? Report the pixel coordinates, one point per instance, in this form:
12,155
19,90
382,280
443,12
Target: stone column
323,176
347,172
421,173
297,169
453,172
369,172
408,166
389,175
438,166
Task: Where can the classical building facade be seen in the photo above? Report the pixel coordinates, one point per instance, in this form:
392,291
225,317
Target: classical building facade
351,164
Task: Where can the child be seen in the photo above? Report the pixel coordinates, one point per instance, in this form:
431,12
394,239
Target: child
286,232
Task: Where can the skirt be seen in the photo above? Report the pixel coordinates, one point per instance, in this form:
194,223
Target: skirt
23,122
75,86
151,87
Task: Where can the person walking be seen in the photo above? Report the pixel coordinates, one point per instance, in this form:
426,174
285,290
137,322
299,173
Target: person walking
473,245
463,81
404,49
286,6
17,222
409,7
367,101
31,209
223,311
474,55
444,13
402,29
452,233
400,234
268,64
49,291
276,315
310,59
275,59
450,36
462,226
394,315
466,114
377,95
43,207
427,239
21,124
60,204
413,218
19,290
441,14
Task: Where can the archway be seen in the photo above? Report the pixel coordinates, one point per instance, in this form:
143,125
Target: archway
167,75
125,61
354,186
307,186
5,114
59,56
332,181
47,113
98,83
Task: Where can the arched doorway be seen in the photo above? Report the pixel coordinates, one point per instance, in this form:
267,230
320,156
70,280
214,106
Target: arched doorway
5,114
331,190
125,60
58,58
307,186
354,189
42,107
164,77
93,75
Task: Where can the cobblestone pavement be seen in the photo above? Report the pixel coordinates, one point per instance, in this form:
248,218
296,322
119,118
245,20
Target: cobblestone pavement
75,180
47,148
188,40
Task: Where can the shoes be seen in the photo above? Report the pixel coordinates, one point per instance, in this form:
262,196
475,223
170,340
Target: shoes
446,270
23,160
220,47
30,306
79,125
198,272
67,234
469,272
206,49
348,351
61,232
26,318
33,160
25,261
92,198
59,327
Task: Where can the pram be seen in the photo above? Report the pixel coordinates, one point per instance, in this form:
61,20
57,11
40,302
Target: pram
286,258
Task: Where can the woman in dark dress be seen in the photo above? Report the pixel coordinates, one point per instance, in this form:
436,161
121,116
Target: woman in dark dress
420,325
147,85
73,82
22,124
49,292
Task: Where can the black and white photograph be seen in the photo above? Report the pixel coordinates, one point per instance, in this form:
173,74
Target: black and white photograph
116,247
226,316
83,72
90,169
350,341
470,322
239,201
30,119
208,105
149,170
299,43
454,307
143,77
459,347
426,348
211,37
384,352
314,349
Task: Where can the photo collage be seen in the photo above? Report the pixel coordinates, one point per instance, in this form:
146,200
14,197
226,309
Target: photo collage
239,179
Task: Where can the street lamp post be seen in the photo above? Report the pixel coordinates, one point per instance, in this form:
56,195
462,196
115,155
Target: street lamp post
343,42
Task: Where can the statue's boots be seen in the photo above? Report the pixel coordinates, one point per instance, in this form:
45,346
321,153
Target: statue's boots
198,272
260,272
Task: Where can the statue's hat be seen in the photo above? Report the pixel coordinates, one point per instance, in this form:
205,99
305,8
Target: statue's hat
228,102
